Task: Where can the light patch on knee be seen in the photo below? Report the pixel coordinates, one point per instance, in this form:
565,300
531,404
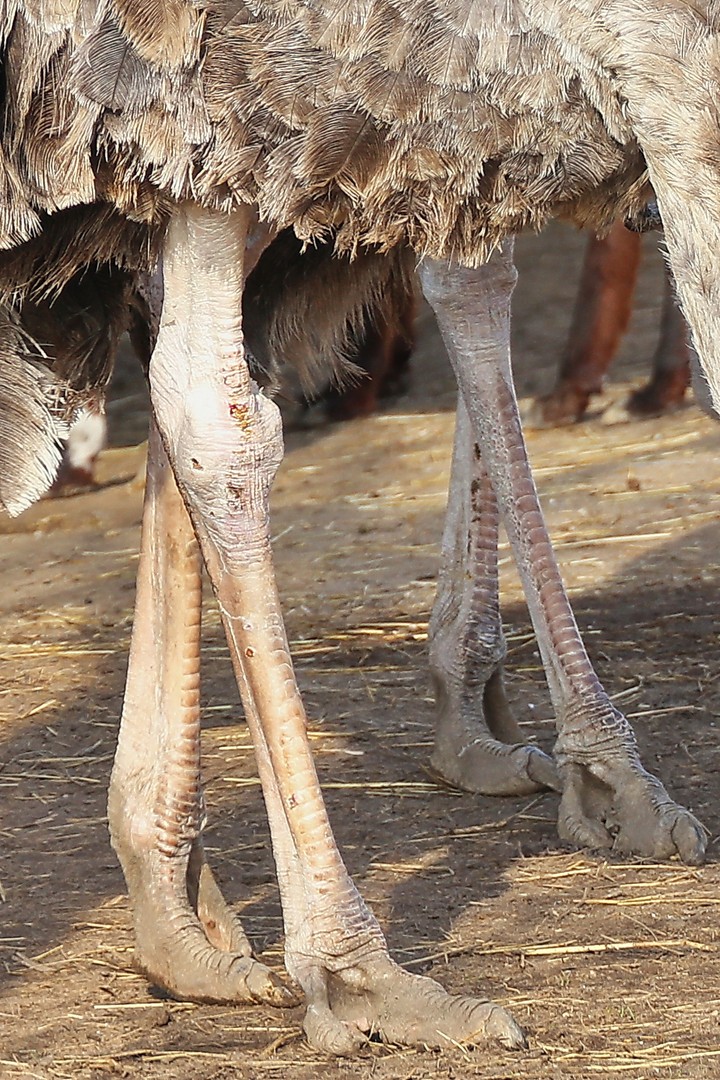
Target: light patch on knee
201,425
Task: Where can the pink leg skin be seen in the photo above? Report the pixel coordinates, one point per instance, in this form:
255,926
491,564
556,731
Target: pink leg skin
478,744
608,799
224,440
187,939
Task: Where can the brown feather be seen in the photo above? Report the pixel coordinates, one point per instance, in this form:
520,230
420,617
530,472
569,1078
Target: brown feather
283,324
331,114
108,71
166,33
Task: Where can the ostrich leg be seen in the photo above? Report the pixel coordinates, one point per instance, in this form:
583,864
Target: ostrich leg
478,744
608,798
671,362
602,311
187,940
224,440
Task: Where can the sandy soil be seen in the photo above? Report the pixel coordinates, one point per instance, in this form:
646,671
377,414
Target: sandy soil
614,967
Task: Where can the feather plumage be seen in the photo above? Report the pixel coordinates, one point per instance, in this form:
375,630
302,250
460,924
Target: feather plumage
166,33
281,321
442,125
314,108
31,431
108,71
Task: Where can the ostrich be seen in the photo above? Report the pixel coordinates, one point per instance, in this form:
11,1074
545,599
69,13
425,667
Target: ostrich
377,351
431,130
382,346
601,315
602,312
87,437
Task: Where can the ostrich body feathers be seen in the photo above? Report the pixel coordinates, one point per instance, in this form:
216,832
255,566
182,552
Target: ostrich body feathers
442,123
440,126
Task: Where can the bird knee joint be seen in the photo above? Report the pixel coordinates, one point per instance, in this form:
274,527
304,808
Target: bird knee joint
234,438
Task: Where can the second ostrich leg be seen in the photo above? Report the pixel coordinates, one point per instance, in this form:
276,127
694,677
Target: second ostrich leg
671,362
224,439
478,744
608,797
187,940
600,318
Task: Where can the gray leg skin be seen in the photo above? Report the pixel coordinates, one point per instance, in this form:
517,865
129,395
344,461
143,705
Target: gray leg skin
608,799
224,440
478,744
187,939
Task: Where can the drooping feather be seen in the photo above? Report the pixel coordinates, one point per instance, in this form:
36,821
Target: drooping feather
166,33
284,325
31,431
108,71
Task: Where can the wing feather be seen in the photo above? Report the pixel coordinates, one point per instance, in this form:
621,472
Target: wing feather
31,431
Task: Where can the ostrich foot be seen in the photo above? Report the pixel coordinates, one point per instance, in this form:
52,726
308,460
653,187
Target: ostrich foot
564,405
486,766
376,997
613,802
188,941
478,743
608,799
644,403
194,947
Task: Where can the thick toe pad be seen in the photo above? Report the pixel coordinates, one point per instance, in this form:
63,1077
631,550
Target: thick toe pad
619,805
189,968
489,767
330,1035
380,998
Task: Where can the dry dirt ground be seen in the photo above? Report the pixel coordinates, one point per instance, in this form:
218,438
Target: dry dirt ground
613,966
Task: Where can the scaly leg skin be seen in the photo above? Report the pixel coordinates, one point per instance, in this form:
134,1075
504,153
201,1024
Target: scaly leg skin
608,799
187,939
224,440
478,744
